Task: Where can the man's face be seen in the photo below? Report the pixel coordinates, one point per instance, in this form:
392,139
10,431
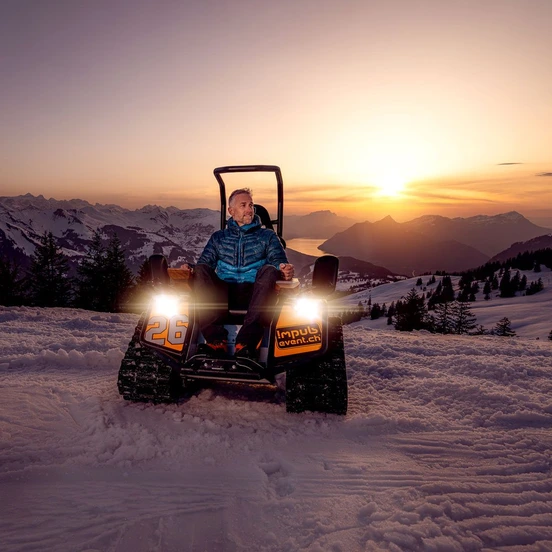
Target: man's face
241,209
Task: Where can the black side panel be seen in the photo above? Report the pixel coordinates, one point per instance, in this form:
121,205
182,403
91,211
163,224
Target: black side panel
324,276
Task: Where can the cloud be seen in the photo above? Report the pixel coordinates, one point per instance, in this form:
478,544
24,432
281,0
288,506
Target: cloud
501,164
544,174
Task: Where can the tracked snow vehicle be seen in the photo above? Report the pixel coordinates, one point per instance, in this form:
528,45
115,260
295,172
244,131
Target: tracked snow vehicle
304,340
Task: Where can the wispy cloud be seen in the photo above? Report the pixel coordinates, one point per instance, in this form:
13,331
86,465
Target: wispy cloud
514,163
544,174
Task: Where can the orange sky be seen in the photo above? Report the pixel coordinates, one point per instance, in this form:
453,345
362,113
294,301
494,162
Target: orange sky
446,104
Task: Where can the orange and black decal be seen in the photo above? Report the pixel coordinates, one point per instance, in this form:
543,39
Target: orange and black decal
167,331
301,338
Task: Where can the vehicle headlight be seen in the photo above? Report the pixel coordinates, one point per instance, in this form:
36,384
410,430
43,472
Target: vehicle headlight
308,308
167,305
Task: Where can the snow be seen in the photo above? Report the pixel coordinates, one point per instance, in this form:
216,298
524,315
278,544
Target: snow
447,446
529,315
26,217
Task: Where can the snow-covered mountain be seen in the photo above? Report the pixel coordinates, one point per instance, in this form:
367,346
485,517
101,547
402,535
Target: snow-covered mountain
421,245
178,234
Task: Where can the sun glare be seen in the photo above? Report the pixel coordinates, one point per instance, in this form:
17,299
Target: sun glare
391,183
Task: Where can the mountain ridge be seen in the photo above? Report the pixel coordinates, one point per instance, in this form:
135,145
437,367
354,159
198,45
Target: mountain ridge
433,242
426,243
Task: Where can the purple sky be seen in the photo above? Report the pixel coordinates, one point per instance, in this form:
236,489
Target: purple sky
401,107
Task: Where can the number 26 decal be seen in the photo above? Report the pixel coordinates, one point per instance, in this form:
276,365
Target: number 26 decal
166,331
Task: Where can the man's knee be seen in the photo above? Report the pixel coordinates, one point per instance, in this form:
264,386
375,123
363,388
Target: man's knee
202,270
268,273
204,275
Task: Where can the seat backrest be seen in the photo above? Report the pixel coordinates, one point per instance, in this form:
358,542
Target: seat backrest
264,216
266,221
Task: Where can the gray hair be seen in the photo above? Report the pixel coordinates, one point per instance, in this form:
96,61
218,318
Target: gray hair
247,191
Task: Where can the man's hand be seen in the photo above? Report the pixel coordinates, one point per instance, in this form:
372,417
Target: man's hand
287,271
186,268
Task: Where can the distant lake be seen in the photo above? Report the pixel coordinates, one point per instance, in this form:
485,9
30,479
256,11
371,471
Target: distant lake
308,246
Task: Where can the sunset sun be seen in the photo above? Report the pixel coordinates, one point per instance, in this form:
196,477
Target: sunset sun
390,184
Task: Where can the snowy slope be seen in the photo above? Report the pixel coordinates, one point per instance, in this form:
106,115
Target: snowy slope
447,446
530,315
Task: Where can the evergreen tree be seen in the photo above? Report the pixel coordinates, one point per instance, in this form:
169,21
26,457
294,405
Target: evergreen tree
118,278
444,292
464,294
140,294
550,335
535,287
376,312
91,276
516,281
448,289
411,313
144,274
443,322
11,283
48,279
479,330
464,319
503,328
465,280
506,288
104,281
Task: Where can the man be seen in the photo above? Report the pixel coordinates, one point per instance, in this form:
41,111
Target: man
239,267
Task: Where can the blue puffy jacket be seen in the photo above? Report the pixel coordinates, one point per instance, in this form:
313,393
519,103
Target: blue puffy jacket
237,252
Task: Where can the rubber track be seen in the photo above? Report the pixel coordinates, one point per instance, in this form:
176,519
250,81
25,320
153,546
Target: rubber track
321,385
144,376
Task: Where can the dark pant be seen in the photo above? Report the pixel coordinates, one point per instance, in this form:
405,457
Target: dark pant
214,297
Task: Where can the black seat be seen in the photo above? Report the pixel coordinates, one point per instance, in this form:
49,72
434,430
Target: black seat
264,216
266,221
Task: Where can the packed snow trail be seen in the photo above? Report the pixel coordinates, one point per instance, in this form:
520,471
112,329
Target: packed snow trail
446,446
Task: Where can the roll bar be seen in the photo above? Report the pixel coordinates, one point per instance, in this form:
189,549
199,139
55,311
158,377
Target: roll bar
278,222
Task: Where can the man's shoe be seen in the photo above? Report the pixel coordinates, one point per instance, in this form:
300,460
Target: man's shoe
243,351
216,349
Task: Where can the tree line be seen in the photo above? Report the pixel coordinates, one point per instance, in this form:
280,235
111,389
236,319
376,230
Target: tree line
412,313
103,282
442,310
